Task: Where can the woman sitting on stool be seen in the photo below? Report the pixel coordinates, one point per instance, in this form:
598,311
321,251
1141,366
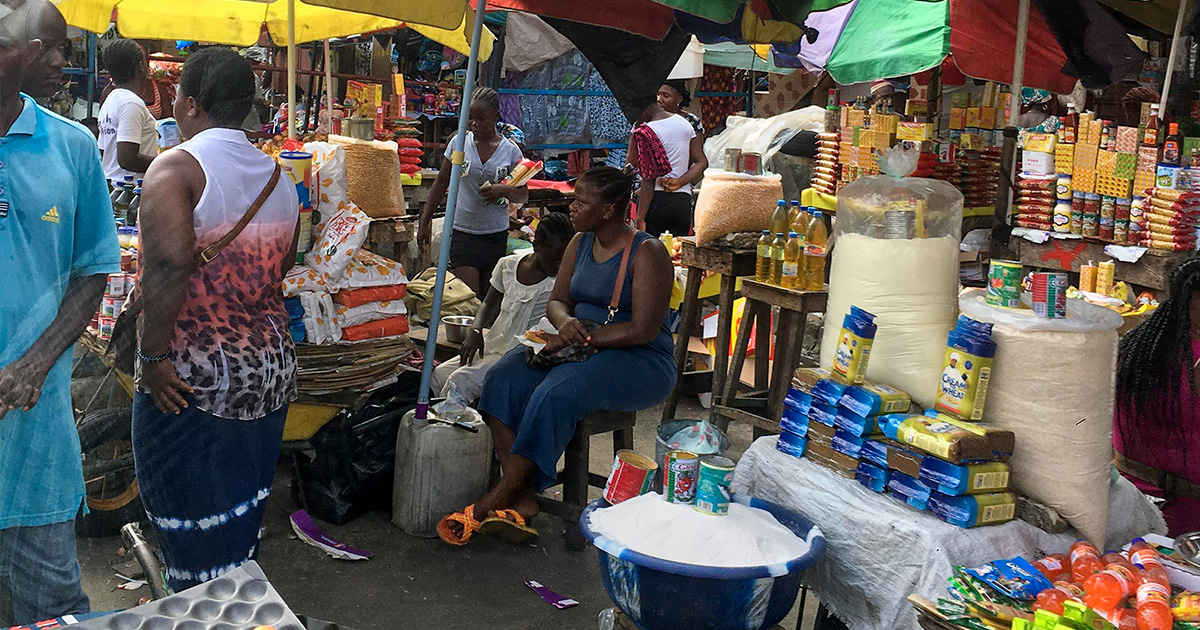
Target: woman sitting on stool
532,412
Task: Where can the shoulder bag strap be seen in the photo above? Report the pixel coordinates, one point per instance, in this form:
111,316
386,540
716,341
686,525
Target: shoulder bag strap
211,252
614,305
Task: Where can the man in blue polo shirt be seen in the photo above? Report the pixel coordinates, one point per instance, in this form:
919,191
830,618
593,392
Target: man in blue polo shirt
57,244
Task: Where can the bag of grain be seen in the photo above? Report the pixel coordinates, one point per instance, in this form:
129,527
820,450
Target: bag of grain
373,176
896,255
1052,386
329,182
735,202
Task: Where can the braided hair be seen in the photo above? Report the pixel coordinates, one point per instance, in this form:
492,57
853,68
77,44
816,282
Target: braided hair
122,58
614,186
1154,357
556,228
221,82
488,96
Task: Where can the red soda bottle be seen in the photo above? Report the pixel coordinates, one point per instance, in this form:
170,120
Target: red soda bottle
1118,580
1085,560
1154,593
1052,599
1121,617
1055,567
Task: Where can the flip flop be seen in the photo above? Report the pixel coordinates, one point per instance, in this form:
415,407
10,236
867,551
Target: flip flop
508,525
466,518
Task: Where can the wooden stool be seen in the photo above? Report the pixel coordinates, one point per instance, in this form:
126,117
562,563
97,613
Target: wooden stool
794,307
576,477
730,263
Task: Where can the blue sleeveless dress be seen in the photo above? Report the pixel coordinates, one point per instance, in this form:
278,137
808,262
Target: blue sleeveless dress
542,406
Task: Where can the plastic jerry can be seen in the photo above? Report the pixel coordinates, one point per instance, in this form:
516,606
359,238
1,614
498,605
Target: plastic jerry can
440,469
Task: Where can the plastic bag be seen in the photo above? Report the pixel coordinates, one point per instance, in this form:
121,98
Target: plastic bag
368,269
896,255
341,236
734,202
1052,386
765,136
329,180
701,438
371,311
320,317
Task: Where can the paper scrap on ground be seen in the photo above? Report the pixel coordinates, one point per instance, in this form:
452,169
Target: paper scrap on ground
745,537
1125,253
304,527
552,598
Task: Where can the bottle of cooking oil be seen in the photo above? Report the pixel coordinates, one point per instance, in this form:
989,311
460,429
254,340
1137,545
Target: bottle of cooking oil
779,218
814,253
762,264
792,259
794,210
801,220
777,247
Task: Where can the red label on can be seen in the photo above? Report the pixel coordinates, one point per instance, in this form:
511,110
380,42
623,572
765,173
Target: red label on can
631,476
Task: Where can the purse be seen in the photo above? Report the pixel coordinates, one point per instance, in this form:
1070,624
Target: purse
124,343
577,352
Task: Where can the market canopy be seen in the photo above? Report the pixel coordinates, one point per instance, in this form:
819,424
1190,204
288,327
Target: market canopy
866,41
240,22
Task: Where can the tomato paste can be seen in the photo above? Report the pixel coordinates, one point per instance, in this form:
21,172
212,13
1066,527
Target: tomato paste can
680,472
733,160
1049,294
1004,284
752,163
110,306
118,285
712,486
631,476
106,325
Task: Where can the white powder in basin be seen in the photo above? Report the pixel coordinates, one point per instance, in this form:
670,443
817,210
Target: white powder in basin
745,537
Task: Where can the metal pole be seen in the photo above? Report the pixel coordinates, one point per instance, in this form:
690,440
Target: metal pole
1162,103
291,69
456,160
328,89
92,73
1008,156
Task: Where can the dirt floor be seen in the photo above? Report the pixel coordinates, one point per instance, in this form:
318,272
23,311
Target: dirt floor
418,583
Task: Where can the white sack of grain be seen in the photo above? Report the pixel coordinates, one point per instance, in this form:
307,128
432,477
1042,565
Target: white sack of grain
734,202
373,176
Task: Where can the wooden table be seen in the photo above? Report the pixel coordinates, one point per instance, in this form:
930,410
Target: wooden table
729,263
794,307
1068,254
446,350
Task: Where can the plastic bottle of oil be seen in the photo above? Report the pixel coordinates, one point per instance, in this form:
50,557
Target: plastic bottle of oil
792,262
794,210
762,264
779,218
801,220
777,247
814,253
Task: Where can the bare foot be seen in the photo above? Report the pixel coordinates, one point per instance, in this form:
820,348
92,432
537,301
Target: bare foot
526,505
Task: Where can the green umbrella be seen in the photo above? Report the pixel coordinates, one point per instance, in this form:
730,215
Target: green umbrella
890,38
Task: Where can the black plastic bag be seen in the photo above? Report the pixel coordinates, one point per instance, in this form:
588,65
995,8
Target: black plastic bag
349,470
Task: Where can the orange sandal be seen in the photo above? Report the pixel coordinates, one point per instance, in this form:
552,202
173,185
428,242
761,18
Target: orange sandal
466,518
508,525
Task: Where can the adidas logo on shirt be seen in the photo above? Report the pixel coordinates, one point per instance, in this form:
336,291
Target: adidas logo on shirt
51,215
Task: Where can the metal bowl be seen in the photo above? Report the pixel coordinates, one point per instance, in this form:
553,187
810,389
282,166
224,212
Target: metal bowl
456,327
1187,548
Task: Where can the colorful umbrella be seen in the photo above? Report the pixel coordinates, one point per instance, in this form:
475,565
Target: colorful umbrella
724,11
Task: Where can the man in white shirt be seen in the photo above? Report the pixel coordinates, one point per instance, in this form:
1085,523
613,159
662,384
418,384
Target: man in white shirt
128,139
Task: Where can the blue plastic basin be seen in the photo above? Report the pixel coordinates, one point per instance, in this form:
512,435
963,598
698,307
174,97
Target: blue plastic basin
662,595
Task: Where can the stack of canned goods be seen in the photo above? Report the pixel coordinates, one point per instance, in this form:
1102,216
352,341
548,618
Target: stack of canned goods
1049,294
702,481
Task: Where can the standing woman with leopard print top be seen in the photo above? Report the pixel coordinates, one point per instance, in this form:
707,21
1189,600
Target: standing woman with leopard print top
216,364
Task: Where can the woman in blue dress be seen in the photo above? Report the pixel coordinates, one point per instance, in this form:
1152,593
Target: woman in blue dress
532,412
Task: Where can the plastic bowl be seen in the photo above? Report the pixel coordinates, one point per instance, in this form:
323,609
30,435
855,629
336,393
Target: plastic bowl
662,595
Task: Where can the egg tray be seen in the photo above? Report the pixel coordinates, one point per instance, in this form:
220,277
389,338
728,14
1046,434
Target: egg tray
239,600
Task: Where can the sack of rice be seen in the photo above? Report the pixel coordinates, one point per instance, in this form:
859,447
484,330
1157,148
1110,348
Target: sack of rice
735,202
373,176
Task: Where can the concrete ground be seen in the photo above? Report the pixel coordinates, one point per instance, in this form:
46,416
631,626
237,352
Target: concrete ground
418,583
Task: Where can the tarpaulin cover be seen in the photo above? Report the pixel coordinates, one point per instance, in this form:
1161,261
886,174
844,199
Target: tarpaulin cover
724,11
634,67
1098,48
983,35
642,17
891,38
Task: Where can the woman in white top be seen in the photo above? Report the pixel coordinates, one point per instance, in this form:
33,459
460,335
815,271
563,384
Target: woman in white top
521,286
128,139
665,205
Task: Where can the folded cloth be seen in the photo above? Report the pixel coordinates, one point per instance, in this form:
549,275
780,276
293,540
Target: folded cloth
358,297
652,161
389,327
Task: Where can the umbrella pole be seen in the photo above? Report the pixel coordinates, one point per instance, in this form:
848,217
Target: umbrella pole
290,120
1162,103
328,89
1001,230
456,160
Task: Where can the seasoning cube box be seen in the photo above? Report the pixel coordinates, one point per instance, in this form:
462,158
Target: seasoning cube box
1126,165
856,117
1113,186
914,131
1147,159
987,117
1085,157
1095,128
1127,139
1064,158
1083,180
885,123
1106,163
958,118
972,117
1142,181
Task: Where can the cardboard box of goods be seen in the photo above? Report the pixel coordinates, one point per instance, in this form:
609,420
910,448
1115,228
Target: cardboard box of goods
1083,180
1143,180
1127,139
856,117
1064,158
882,140
1113,186
914,131
958,118
839,463
864,154
885,123
1037,162
1147,158
987,117
1082,132
972,142
1042,142
1126,165
972,119
850,158
1085,157
846,134
1095,128
1106,163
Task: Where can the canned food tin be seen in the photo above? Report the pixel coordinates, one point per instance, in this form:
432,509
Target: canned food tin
712,487
126,261
118,285
105,330
1063,188
1049,294
110,306
1108,207
680,471
733,160
899,224
1004,284
1077,205
751,163
1121,231
631,476
1123,207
